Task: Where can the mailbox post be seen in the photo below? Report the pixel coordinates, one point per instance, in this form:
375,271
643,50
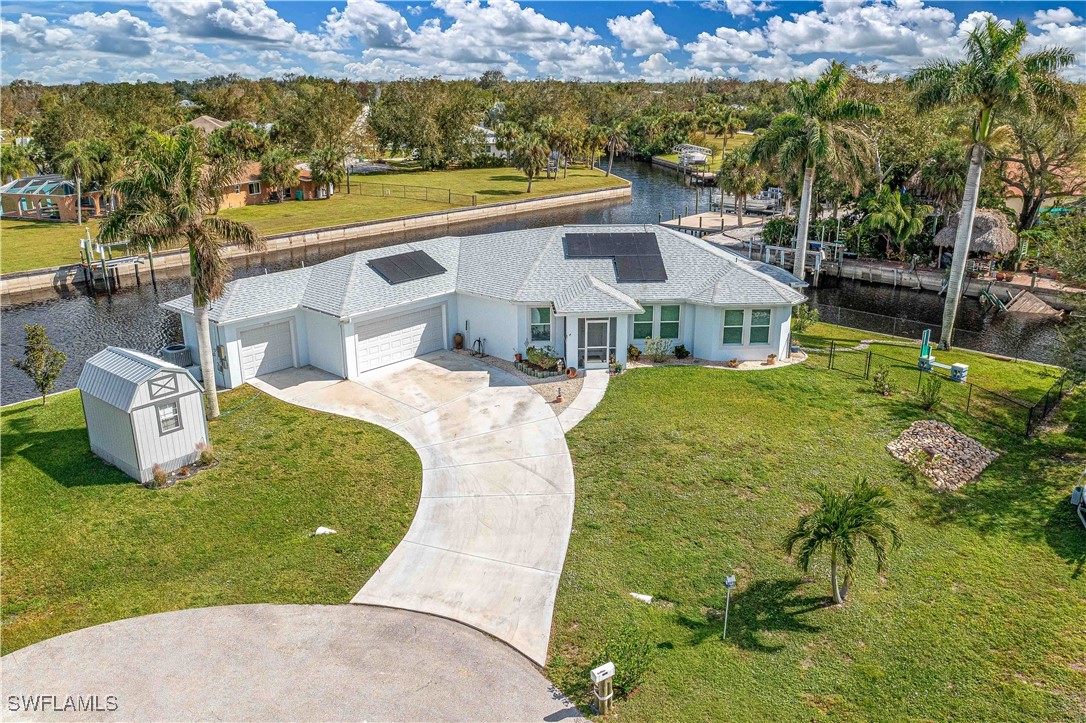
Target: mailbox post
602,688
729,583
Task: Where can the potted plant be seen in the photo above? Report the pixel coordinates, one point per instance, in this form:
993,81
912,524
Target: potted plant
733,364
458,340
518,356
633,352
771,359
571,372
616,368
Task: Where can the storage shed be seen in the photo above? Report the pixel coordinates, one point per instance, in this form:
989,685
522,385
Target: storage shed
141,411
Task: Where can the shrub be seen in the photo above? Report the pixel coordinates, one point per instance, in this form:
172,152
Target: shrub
159,478
204,454
633,352
631,652
931,393
543,357
881,381
803,317
658,349
681,352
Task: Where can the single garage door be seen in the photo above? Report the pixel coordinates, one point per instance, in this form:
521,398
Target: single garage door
393,339
266,349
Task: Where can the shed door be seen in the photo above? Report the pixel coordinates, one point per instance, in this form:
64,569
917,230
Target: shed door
266,349
395,338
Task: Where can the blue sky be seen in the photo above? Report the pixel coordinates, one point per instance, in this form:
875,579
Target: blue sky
373,40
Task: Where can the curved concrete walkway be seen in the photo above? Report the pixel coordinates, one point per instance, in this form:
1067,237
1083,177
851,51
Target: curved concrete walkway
488,541
280,663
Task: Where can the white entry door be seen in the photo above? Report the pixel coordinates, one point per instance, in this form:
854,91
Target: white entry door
395,338
266,349
597,338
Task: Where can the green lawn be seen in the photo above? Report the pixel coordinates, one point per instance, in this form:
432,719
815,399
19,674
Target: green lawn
488,185
717,144
686,474
26,245
83,544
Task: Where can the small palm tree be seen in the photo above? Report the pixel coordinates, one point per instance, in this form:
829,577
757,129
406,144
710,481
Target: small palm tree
819,131
530,156
278,170
326,167
169,194
618,141
994,77
839,525
740,177
727,123
77,159
886,215
15,162
595,138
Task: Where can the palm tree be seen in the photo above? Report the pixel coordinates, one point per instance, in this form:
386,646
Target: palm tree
530,156
618,141
595,138
727,124
839,524
818,131
77,159
887,215
168,197
326,167
278,170
994,77
740,177
15,162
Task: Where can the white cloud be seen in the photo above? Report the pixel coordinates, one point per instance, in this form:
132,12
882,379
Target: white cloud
1056,16
374,24
658,69
236,20
120,33
737,7
725,46
641,34
35,34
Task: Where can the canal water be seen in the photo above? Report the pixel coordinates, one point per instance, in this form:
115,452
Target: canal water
81,325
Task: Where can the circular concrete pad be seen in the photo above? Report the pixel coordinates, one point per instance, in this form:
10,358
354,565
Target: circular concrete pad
282,662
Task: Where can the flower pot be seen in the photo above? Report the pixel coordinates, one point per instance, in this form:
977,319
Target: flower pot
794,348
571,372
519,357
458,340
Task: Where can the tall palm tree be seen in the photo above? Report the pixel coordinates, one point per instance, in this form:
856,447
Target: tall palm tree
727,123
819,131
595,138
740,177
839,524
618,141
326,167
278,169
994,77
530,156
15,162
886,215
77,159
169,194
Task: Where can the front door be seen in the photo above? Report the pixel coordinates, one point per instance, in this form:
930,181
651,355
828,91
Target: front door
597,343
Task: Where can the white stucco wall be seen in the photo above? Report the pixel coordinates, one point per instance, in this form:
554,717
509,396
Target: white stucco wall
495,321
686,325
709,329
326,341
229,335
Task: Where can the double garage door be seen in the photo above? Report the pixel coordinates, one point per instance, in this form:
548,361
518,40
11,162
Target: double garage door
395,338
266,349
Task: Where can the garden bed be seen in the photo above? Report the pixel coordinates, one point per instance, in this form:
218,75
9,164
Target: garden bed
547,387
941,453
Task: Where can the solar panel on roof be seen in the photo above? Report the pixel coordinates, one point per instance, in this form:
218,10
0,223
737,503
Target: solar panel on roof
408,266
578,246
627,268
636,255
652,268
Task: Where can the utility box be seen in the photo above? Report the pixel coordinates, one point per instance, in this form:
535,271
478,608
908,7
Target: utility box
959,372
602,688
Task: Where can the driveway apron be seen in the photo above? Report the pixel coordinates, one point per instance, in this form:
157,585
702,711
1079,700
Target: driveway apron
488,541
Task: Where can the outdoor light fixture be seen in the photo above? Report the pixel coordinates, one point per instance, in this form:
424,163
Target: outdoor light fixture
729,583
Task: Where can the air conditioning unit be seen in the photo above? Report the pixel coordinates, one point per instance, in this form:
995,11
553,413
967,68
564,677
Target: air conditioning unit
178,354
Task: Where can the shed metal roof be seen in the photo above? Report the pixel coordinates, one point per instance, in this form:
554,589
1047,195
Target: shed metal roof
114,375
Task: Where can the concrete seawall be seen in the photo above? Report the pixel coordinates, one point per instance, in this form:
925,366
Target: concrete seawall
41,284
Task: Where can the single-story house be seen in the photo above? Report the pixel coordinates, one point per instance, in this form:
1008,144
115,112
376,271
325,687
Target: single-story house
248,189
490,143
49,198
586,291
141,411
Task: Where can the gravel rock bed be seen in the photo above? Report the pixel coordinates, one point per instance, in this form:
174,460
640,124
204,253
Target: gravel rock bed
547,388
943,454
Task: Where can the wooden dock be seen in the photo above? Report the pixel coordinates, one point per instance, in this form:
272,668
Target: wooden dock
703,223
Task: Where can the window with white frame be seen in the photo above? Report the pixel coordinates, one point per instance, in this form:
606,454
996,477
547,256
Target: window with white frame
643,324
759,325
169,417
733,326
254,188
541,323
237,188
669,322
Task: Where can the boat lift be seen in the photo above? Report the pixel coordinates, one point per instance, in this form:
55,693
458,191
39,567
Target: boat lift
95,256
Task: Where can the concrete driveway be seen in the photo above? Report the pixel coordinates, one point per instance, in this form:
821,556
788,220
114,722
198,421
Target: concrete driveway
278,663
489,538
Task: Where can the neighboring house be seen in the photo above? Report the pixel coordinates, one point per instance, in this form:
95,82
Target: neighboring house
587,291
141,412
490,143
249,189
50,198
208,124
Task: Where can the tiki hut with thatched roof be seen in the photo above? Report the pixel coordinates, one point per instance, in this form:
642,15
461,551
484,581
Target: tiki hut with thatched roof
992,235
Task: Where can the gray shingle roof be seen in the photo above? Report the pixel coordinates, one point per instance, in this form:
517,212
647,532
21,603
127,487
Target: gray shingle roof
527,266
114,375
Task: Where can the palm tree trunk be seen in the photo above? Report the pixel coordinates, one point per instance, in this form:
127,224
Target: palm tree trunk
740,201
79,198
610,161
529,184
207,368
837,597
804,222
961,245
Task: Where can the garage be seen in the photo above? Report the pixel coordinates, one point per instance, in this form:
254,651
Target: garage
266,349
395,338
